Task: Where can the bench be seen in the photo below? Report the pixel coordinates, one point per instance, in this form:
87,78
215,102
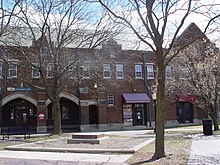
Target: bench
15,131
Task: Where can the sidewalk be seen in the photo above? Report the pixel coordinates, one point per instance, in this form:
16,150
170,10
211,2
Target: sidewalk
105,156
205,150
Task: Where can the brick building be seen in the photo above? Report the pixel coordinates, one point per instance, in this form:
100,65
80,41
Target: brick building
107,88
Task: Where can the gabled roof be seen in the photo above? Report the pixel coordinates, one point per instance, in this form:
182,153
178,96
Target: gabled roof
190,34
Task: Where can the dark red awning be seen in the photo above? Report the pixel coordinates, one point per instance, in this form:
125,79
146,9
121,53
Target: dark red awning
135,98
186,98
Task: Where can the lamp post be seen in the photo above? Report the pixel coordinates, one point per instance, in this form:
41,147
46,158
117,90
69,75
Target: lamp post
95,86
154,97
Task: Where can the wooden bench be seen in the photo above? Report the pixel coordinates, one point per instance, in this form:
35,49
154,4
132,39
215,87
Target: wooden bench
15,131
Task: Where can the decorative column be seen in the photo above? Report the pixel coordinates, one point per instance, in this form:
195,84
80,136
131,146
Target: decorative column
41,113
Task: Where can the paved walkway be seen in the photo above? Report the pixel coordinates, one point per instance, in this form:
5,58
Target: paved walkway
205,150
60,158
47,158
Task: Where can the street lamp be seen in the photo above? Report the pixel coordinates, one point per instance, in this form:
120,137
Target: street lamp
154,97
95,85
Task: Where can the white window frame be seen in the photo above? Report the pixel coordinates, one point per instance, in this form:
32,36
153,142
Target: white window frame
111,99
13,69
138,70
150,71
86,71
119,71
106,71
168,71
72,71
49,71
35,70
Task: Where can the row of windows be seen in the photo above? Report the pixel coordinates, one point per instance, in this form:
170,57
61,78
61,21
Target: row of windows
85,71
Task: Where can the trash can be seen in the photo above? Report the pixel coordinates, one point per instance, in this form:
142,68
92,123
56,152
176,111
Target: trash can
207,126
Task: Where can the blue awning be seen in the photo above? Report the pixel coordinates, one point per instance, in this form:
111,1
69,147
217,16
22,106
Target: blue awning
135,98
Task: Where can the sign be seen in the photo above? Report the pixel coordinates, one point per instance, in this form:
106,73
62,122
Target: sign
22,89
41,116
12,89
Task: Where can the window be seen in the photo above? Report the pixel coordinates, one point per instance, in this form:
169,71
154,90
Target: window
138,71
49,70
150,71
106,71
44,51
65,112
168,71
13,70
35,70
0,69
119,71
72,71
86,70
111,99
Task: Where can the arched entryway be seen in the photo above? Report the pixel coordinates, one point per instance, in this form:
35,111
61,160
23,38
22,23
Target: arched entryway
93,114
70,119
19,113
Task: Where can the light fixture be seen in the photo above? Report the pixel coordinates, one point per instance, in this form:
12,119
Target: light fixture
95,85
154,96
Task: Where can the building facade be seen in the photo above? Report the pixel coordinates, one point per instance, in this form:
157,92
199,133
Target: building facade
107,89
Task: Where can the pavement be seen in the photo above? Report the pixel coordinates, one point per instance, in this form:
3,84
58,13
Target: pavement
19,154
205,150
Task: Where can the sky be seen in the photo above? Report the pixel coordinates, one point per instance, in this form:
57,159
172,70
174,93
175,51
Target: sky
129,40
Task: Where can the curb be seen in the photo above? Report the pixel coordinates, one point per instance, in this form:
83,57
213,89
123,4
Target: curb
21,147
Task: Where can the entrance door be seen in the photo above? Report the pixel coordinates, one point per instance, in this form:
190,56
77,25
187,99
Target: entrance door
184,111
93,115
138,114
21,116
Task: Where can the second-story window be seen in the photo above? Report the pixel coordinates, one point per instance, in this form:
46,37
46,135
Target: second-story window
49,71
138,71
1,69
35,70
119,71
111,99
150,71
168,71
73,71
13,67
86,71
106,71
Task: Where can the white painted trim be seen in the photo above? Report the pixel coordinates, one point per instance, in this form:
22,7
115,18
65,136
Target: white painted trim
14,96
66,95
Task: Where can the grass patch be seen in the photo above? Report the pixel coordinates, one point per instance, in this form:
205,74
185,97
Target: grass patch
176,148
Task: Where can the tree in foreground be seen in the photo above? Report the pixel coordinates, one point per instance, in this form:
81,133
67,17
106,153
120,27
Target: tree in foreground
155,22
54,26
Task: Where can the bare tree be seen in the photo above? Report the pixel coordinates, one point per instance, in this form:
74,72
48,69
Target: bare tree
154,22
196,71
7,12
53,27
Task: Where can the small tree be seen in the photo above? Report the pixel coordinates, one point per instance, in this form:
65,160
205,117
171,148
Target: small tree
7,12
196,71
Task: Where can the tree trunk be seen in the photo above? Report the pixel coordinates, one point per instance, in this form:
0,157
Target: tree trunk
57,118
160,124
215,122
